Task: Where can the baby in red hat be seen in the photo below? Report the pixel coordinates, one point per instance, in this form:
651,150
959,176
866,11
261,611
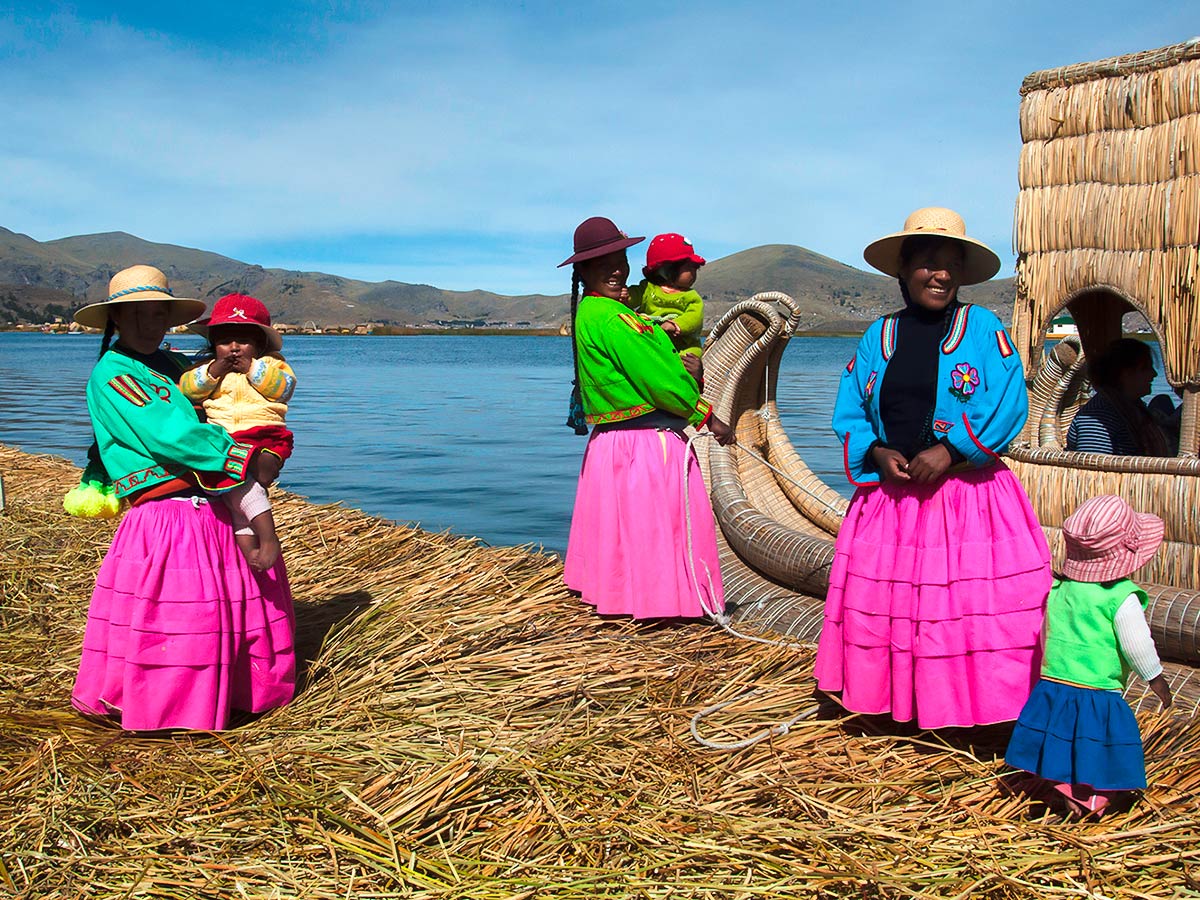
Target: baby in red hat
666,296
245,388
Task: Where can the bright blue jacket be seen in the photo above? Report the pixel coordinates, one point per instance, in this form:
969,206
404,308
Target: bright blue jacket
980,403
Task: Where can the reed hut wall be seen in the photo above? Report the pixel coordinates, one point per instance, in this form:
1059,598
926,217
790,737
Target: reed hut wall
1109,200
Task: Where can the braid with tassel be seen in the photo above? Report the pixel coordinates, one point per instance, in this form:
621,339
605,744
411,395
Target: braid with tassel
109,330
575,416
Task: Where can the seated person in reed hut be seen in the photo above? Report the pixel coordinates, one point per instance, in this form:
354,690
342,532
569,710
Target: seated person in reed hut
1116,420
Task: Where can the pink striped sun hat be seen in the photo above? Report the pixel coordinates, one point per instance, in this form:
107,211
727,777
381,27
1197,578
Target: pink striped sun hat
1107,539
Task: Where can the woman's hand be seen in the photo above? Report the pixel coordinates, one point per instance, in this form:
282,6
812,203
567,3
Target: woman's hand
722,432
694,366
930,464
891,463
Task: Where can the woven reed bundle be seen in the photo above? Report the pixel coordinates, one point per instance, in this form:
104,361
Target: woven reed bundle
468,730
765,529
1110,197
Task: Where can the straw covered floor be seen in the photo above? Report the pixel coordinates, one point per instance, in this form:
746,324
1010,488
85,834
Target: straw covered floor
466,728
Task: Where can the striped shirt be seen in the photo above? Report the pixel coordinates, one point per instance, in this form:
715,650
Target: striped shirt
1099,428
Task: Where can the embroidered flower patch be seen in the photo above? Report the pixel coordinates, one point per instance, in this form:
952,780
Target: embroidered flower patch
964,378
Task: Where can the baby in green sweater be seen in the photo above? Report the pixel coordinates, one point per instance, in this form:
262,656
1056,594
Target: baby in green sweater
665,295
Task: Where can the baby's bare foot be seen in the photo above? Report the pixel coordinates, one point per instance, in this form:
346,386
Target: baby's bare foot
267,555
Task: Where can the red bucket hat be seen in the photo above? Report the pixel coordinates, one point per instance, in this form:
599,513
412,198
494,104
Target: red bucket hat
598,236
671,247
240,309
1106,539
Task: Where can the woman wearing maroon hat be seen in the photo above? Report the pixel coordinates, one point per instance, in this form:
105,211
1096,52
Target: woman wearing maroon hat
245,389
643,540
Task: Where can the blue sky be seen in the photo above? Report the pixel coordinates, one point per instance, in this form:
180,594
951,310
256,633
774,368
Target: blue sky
458,144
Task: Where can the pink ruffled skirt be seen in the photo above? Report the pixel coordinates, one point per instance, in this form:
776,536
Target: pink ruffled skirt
180,631
935,603
627,553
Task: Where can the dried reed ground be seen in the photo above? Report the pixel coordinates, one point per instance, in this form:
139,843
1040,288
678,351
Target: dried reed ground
468,729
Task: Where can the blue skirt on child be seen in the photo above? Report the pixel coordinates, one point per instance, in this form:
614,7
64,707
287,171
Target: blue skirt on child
1078,735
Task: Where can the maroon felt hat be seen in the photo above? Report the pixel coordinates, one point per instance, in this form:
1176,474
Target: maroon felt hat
598,236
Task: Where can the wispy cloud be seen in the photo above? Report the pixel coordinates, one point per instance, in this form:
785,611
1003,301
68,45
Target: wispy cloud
342,138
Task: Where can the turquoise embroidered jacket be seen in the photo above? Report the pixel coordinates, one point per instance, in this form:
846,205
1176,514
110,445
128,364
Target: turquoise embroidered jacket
148,432
628,368
980,405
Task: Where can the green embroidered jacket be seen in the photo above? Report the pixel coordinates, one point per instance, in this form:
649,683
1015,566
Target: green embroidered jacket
148,432
628,368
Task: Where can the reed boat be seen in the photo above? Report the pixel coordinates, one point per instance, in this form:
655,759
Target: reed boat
1107,224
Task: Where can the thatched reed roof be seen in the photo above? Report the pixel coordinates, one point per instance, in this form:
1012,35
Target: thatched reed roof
467,729
1108,215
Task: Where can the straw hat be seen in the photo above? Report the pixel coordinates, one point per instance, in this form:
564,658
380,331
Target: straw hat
240,309
136,284
1106,539
598,236
979,262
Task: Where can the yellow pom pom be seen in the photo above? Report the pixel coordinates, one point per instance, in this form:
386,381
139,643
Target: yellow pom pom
92,500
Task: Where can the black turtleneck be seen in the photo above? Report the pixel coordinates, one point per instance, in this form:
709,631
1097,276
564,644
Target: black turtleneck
909,387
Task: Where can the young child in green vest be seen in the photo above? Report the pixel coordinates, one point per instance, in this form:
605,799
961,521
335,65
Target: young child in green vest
1076,729
665,296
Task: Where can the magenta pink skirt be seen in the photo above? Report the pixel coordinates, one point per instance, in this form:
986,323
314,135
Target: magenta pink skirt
935,601
627,553
180,631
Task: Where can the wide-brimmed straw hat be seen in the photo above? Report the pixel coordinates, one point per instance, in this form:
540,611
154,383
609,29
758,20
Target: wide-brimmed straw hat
240,309
139,284
598,236
1107,539
979,262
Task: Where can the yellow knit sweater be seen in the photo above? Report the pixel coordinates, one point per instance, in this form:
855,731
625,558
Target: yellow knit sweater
237,402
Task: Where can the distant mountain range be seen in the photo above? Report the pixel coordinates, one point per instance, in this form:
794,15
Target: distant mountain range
43,279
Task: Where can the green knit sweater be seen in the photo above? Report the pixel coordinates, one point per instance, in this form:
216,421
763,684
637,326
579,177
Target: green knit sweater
684,308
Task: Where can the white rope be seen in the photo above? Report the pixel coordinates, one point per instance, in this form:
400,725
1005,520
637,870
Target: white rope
776,730
724,621
717,616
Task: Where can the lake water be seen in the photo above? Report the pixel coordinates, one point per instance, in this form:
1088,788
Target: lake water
455,433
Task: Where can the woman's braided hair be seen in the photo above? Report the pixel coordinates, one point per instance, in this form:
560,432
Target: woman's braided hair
110,329
575,416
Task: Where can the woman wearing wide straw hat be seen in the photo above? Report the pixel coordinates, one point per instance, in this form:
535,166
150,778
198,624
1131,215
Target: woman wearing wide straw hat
643,541
941,570
180,632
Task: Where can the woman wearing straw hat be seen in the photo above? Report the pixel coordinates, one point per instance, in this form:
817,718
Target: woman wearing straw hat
941,570
643,541
180,632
